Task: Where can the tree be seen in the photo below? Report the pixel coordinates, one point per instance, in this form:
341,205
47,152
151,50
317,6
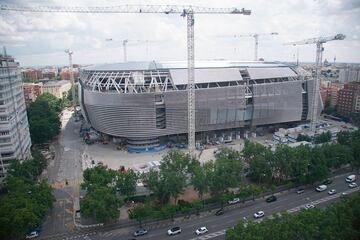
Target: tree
99,176
344,138
318,169
126,183
303,138
44,121
101,204
200,179
355,118
225,172
252,149
170,181
323,137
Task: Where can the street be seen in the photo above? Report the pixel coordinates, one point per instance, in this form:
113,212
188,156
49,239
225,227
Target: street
218,224
66,166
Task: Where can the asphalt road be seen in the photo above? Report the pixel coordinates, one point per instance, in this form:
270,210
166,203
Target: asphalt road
218,224
66,165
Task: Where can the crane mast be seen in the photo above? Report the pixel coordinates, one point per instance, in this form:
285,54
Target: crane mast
318,64
72,80
187,11
256,39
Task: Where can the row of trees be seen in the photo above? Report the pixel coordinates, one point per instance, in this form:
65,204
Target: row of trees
44,121
27,200
339,221
178,170
321,138
304,164
106,190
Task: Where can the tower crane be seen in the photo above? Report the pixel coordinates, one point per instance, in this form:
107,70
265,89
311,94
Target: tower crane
187,11
319,52
125,43
72,81
256,38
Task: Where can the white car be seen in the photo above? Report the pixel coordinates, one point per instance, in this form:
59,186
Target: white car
233,201
321,188
332,191
31,235
309,206
259,214
201,231
353,185
174,231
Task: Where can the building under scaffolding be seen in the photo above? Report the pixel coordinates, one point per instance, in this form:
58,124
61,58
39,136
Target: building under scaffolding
145,103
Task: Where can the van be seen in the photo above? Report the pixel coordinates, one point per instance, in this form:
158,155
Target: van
321,188
350,178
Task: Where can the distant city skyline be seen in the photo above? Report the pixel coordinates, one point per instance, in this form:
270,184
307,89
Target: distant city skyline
39,39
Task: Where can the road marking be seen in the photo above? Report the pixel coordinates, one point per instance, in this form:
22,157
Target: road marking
210,235
295,209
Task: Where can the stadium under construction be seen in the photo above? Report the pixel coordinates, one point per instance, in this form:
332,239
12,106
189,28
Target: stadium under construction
144,104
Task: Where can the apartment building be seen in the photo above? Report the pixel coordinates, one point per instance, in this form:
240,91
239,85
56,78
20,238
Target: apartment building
14,128
348,98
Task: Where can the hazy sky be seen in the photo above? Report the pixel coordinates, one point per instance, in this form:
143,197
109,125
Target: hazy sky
40,38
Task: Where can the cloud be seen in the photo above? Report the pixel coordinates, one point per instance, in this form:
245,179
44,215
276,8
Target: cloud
37,38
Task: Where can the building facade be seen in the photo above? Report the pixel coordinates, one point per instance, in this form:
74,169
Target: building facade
349,74
348,98
32,91
144,102
32,74
14,129
59,89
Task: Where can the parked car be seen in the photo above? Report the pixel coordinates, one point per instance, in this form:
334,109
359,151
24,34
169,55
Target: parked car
300,191
309,206
174,231
140,232
201,231
270,199
332,191
31,235
234,200
327,182
353,185
259,214
321,188
219,212
350,178
344,194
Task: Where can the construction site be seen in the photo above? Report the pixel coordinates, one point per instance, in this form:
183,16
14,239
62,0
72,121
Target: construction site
146,107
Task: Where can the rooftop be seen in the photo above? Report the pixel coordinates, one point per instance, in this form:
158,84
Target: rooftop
56,83
154,65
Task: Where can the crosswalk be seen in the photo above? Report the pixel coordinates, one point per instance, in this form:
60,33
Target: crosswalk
325,199
210,235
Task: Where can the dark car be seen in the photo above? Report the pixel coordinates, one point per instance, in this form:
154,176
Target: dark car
219,212
140,232
271,199
300,191
327,181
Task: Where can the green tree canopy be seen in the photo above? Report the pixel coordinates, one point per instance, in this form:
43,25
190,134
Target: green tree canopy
101,204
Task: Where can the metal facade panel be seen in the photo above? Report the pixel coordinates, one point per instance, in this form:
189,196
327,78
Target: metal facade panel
179,76
277,102
265,73
133,115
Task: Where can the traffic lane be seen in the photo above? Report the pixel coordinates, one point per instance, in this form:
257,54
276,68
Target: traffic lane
285,201
320,205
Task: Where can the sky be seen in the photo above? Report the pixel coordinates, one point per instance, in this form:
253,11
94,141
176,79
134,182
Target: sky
39,39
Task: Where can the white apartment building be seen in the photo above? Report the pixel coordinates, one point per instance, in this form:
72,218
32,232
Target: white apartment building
14,128
347,75
57,88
